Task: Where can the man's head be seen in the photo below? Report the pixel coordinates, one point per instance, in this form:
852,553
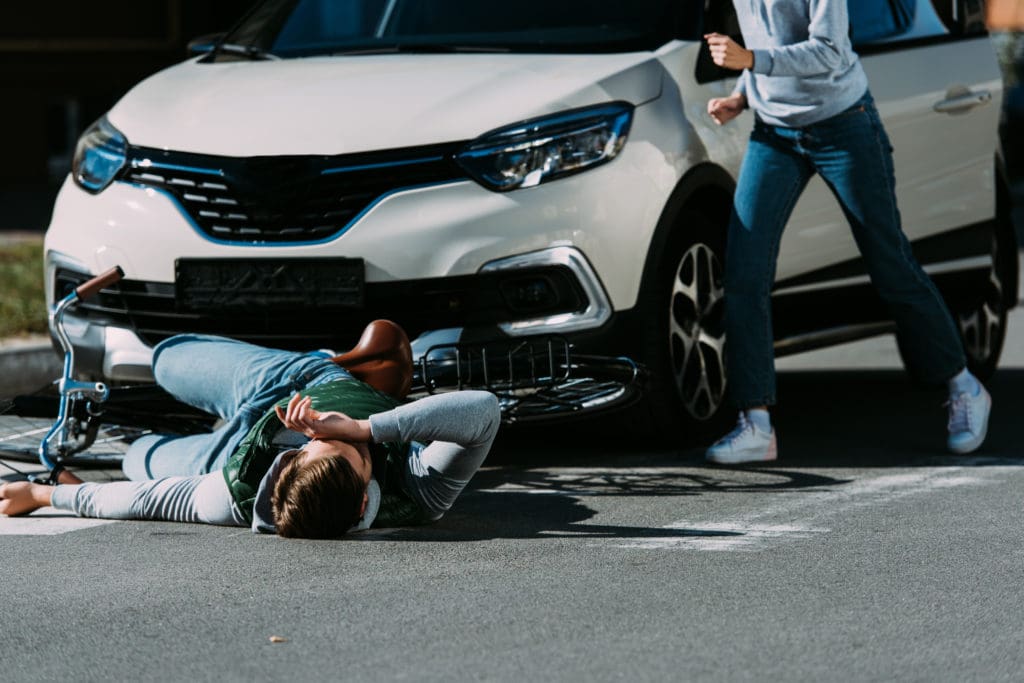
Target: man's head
321,490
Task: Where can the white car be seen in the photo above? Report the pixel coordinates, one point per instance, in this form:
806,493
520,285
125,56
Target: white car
510,169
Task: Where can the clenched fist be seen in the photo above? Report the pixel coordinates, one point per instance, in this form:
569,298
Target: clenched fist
727,53
725,109
22,497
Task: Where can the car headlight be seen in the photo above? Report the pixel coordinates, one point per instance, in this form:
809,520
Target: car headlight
535,151
99,156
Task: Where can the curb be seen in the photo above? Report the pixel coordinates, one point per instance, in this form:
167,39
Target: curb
27,364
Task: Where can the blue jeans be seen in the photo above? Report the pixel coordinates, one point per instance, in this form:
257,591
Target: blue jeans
853,155
236,381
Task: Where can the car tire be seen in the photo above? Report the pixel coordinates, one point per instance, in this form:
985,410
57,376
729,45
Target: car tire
982,321
682,329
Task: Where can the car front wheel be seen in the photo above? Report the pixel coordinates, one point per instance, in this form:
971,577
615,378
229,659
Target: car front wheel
684,332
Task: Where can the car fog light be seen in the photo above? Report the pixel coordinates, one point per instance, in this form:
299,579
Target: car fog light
529,294
543,149
99,156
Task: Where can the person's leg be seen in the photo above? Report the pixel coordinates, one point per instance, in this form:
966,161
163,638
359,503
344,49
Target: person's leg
854,156
771,180
773,176
224,376
236,381
169,455
852,153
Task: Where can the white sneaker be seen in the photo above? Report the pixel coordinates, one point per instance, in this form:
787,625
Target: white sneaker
968,420
745,443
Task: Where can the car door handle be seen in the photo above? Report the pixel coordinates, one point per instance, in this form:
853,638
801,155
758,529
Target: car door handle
962,101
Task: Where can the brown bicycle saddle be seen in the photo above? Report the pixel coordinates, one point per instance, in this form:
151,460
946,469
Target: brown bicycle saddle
382,358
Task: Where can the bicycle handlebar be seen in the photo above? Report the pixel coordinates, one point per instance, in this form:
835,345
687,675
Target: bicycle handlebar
91,287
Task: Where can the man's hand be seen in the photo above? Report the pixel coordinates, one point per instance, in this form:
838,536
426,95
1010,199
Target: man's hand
728,53
725,109
300,417
22,497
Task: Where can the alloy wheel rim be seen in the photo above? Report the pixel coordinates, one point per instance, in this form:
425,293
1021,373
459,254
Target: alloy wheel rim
697,331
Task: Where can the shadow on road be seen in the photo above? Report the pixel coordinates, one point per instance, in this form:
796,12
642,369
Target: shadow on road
844,418
535,503
836,419
879,418
486,515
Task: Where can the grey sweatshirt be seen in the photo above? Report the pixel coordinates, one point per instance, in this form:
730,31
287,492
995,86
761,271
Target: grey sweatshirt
805,69
450,434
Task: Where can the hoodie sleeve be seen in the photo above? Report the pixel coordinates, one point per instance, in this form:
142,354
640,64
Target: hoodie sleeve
203,499
823,51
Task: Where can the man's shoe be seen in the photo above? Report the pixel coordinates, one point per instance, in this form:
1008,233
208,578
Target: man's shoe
968,420
745,443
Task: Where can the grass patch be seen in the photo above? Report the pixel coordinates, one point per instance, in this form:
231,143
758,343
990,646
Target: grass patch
22,300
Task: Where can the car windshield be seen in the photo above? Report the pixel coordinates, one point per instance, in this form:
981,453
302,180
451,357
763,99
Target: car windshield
297,28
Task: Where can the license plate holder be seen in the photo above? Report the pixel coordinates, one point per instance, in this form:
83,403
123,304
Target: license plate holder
290,285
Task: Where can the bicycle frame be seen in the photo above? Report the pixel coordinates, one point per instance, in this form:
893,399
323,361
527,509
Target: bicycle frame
69,388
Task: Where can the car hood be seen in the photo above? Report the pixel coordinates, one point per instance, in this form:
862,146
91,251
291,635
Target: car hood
338,105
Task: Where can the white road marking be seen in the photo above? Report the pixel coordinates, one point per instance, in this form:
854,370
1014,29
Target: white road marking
22,435
789,514
47,522
735,536
797,515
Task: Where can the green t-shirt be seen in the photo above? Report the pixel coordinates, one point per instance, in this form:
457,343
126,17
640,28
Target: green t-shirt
250,463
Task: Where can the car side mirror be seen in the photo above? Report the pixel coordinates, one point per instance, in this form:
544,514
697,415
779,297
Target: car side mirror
204,44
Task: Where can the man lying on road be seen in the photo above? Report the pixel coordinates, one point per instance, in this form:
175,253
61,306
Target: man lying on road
350,458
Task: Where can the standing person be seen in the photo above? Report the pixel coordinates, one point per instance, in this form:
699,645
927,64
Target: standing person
306,450
814,114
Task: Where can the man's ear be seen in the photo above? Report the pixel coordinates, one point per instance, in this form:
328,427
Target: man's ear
362,508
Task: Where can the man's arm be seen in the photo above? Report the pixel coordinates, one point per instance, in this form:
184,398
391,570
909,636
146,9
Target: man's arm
204,499
469,419
460,427
299,416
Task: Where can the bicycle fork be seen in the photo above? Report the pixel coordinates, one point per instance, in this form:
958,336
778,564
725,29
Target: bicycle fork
69,388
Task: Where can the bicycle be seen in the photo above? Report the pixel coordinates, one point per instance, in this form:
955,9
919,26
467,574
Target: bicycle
91,424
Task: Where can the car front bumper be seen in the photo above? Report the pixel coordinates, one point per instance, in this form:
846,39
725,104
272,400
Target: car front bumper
548,291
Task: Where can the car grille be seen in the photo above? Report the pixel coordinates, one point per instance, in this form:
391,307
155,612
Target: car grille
154,311
285,199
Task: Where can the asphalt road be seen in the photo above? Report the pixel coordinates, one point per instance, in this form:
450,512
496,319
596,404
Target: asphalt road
865,553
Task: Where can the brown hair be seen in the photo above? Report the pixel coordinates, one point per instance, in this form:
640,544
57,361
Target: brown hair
322,499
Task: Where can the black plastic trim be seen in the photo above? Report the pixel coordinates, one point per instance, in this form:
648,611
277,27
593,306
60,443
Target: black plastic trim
153,312
966,242
285,199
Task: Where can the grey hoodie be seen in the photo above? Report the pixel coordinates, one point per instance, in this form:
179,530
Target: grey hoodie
805,69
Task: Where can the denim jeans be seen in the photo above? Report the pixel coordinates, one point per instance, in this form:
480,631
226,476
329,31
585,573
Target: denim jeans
236,381
853,155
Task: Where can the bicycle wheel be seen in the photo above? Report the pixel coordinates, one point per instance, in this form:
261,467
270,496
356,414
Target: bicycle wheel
594,384
99,434
535,378
21,435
